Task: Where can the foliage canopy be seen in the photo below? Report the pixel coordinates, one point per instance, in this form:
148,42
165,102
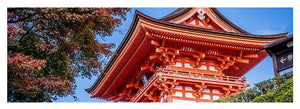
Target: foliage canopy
49,47
279,89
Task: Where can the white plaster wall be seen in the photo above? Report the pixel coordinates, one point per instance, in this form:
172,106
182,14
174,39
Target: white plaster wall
216,91
179,94
178,87
193,22
206,97
187,65
189,95
206,90
203,67
178,64
216,97
189,88
165,96
212,68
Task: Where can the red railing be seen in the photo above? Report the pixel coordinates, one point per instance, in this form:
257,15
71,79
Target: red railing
200,76
186,75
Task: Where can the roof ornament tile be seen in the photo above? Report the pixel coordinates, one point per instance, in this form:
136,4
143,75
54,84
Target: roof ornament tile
201,14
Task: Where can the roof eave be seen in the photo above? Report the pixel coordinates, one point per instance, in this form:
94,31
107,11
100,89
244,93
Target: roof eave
117,52
289,37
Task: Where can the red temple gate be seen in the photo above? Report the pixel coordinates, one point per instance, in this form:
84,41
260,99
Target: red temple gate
190,55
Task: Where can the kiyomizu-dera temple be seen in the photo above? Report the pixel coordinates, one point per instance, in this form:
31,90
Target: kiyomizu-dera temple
190,55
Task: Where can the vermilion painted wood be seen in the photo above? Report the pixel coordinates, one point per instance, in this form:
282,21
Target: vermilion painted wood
212,56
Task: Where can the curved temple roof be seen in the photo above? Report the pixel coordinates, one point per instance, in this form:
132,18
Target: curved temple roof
165,21
181,11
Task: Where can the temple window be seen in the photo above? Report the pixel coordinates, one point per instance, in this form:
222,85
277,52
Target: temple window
190,95
177,93
178,64
216,91
188,88
206,90
178,87
216,97
187,65
206,97
203,67
212,68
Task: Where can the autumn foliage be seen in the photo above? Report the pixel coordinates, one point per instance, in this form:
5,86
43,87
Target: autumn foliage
49,47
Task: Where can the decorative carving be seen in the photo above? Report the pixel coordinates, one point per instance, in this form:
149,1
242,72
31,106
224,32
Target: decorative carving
201,14
151,95
198,58
199,89
165,85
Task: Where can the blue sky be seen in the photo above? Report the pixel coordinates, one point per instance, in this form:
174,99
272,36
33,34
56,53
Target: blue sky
254,20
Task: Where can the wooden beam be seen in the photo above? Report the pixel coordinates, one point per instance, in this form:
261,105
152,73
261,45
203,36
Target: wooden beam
246,61
154,56
236,67
145,68
250,56
220,59
110,98
159,50
123,93
130,85
149,35
118,99
155,43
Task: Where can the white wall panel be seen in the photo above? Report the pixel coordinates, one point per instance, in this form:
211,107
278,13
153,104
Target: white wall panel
206,97
216,91
189,95
216,97
189,88
178,64
179,94
203,67
206,90
212,68
187,65
178,87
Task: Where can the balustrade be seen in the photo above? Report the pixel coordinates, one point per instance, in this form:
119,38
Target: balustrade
201,76
192,75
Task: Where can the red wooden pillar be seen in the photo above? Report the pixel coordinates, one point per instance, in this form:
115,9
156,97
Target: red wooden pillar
169,98
198,99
